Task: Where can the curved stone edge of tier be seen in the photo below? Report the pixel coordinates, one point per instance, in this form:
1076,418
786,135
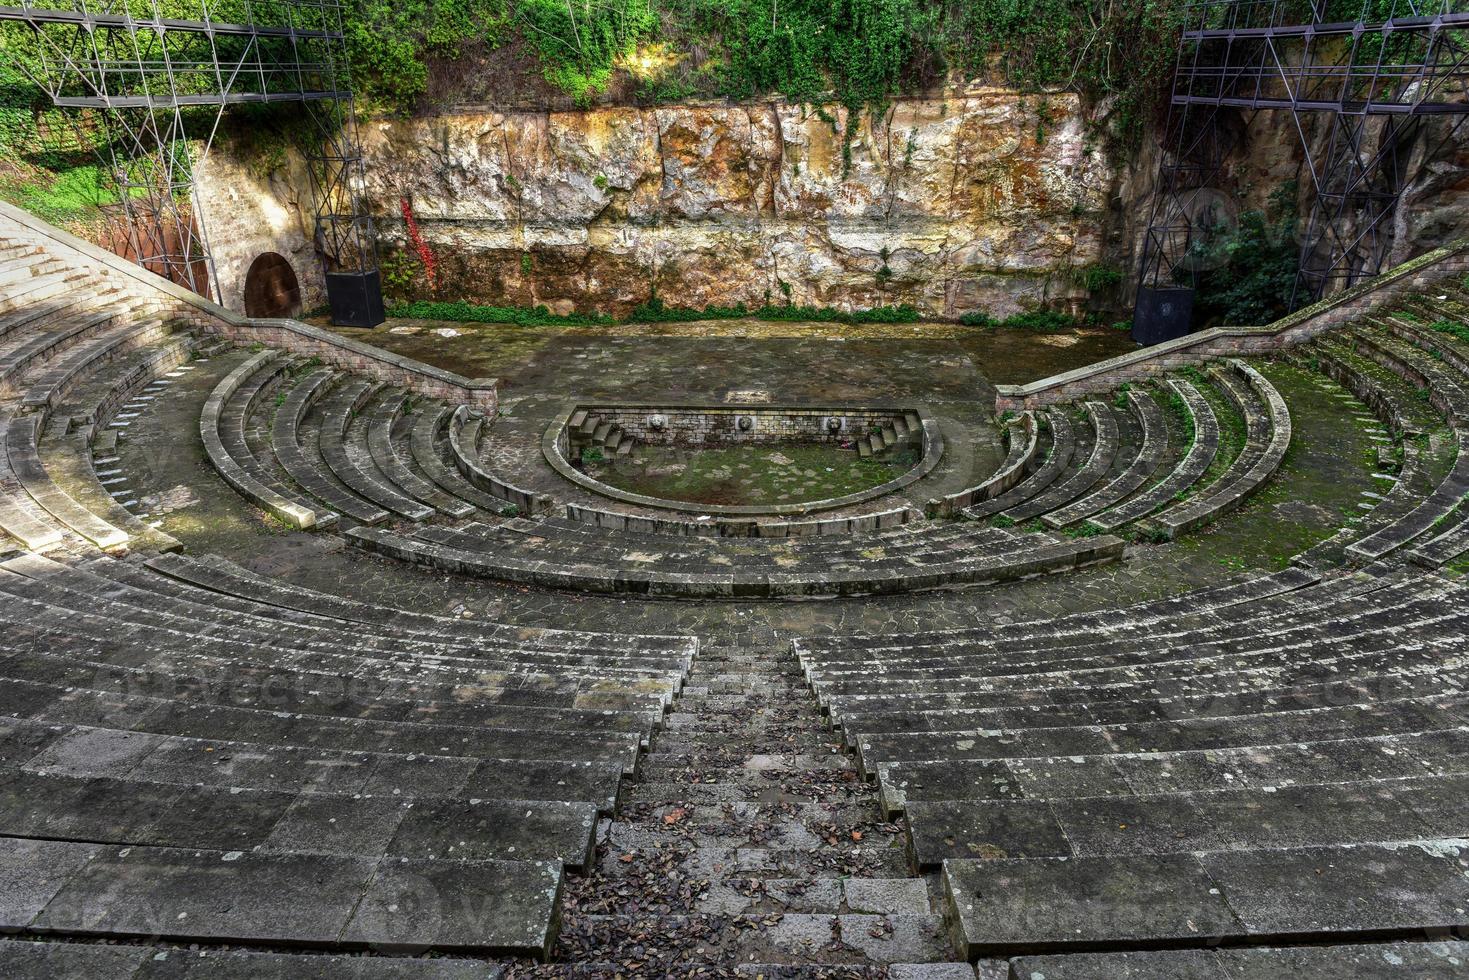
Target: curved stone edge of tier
1207,345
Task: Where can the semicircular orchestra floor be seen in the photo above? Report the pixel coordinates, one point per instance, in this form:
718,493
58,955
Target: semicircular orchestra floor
1166,682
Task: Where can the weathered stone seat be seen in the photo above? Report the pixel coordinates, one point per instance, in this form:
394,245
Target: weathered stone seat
1450,396
429,453
300,456
487,551
1336,892
1022,435
222,429
1061,445
394,457
1268,435
21,436
1147,455
1200,455
323,901
1101,448
222,577
464,436
349,458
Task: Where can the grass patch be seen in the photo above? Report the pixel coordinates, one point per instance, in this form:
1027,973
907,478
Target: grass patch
655,311
536,316
1041,321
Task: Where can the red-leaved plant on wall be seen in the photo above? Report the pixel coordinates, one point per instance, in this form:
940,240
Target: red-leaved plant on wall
425,254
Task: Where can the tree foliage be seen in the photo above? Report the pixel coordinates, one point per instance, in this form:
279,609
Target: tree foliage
1249,271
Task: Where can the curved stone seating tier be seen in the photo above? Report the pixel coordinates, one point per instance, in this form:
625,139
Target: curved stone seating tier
1067,642
541,553
1022,439
223,580
431,454
1411,422
299,452
222,429
397,464
1199,455
344,446
1101,448
1398,889
1267,437
20,516
1146,458
464,436
724,527
440,749
69,588
1450,397
1291,725
1061,444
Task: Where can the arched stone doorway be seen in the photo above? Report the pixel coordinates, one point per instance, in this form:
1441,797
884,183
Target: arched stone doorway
271,289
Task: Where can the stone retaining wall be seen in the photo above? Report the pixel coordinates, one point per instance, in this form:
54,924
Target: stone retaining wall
705,425
188,309
1207,345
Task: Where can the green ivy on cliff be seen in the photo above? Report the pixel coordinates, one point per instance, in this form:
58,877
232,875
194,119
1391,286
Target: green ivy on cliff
855,53
390,42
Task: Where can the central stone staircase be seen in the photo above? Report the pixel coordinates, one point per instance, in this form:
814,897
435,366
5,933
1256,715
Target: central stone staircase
750,846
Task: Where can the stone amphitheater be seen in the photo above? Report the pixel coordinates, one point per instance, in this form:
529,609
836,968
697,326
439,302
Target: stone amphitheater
316,664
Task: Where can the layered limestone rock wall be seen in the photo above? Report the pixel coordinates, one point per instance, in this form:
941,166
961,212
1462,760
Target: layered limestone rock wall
979,199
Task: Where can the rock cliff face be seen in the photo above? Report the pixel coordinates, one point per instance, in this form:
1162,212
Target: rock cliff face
983,199
980,199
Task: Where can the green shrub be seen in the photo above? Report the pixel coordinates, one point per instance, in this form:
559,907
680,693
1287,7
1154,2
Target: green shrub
580,43
1453,328
1101,277
1248,273
655,311
538,316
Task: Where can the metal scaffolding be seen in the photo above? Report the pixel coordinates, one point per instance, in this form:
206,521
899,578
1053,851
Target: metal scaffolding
1358,78
158,87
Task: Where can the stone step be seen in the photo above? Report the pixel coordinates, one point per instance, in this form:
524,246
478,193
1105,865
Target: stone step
427,456
81,751
1336,894
393,457
222,425
1369,961
789,938
166,716
1184,770
299,454
221,576
26,960
1142,462
1200,455
130,811
343,444
1363,812
194,894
